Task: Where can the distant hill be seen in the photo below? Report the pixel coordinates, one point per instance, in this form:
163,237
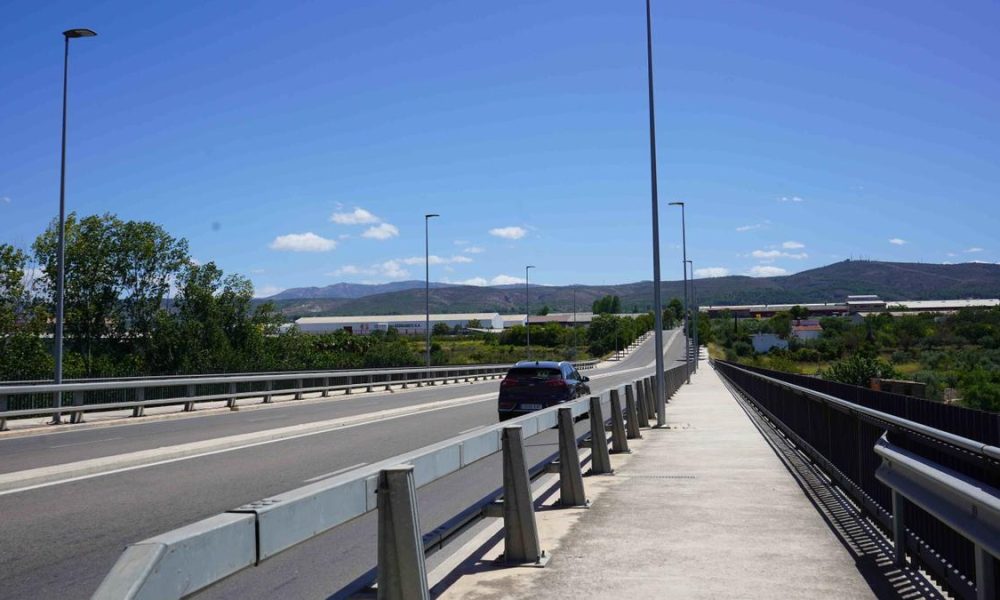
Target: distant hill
832,283
351,290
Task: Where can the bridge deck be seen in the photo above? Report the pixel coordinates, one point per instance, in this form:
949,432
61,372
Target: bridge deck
705,509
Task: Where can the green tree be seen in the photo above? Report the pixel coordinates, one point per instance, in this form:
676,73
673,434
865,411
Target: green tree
676,307
607,305
544,310
441,329
859,369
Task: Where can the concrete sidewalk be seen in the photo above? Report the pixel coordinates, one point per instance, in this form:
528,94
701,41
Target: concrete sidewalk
703,509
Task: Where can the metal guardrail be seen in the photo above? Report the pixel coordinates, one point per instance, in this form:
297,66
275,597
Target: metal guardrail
183,561
138,394
934,492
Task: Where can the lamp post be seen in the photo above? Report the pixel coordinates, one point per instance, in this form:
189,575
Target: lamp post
694,307
657,301
427,285
61,251
687,347
527,310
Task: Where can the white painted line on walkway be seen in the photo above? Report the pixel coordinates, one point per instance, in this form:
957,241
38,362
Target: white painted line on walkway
84,443
333,473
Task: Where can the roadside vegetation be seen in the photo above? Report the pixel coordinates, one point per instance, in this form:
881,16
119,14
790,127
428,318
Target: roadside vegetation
956,355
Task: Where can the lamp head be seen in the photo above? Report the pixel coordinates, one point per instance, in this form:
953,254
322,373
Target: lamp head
675,204
79,33
431,215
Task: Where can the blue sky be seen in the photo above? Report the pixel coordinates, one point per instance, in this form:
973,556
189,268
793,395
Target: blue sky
300,143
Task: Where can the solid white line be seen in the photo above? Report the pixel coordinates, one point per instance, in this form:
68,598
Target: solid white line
471,429
490,398
82,443
332,473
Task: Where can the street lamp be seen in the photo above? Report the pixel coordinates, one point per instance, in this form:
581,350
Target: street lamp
61,251
694,306
657,303
527,309
687,348
427,286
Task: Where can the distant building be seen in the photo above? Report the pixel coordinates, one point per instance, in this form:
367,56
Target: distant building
854,305
765,342
806,329
404,324
865,303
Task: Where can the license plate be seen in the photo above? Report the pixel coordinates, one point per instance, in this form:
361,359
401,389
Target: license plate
531,407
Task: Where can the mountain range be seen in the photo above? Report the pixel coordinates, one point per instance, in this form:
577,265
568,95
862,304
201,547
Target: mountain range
831,283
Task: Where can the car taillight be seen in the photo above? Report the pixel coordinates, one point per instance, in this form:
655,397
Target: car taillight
557,383
508,382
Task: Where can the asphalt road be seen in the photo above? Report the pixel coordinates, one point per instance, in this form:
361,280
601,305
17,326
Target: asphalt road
60,541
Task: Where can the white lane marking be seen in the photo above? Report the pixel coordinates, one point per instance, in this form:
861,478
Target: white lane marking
471,429
265,419
470,399
333,473
82,443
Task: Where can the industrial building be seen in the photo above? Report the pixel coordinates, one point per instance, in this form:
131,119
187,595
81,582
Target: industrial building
861,305
404,324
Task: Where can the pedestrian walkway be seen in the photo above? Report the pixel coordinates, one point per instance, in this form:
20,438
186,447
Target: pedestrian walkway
703,509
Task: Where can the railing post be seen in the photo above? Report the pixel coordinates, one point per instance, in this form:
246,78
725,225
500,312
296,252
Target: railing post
299,383
189,391
898,529
140,396
402,572
369,388
633,414
268,387
986,577
640,387
350,382
619,441
571,491
77,415
650,403
600,460
326,388
231,403
3,408
520,531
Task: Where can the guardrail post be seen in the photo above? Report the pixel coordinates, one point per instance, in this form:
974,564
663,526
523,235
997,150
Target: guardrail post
350,382
369,388
190,391
619,441
633,414
231,403
326,388
640,390
571,491
402,573
600,460
299,383
77,415
986,577
520,531
650,398
140,396
268,386
898,529
3,408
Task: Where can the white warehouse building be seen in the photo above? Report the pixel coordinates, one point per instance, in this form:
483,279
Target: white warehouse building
404,324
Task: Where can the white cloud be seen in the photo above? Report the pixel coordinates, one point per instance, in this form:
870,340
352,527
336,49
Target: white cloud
793,245
391,268
478,281
766,271
510,233
973,250
474,250
897,241
382,231
506,280
952,254
711,272
4,199
791,199
436,260
749,227
358,216
346,270
302,242
773,254
267,291
461,242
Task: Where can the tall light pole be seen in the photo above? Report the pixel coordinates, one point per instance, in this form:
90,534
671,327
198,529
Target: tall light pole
657,301
527,309
687,346
61,251
427,285
694,306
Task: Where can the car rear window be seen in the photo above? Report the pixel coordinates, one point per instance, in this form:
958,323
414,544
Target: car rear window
542,374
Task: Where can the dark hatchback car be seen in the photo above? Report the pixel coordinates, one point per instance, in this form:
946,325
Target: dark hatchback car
534,385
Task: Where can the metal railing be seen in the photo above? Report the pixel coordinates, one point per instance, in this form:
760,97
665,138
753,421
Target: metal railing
934,492
32,400
183,561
